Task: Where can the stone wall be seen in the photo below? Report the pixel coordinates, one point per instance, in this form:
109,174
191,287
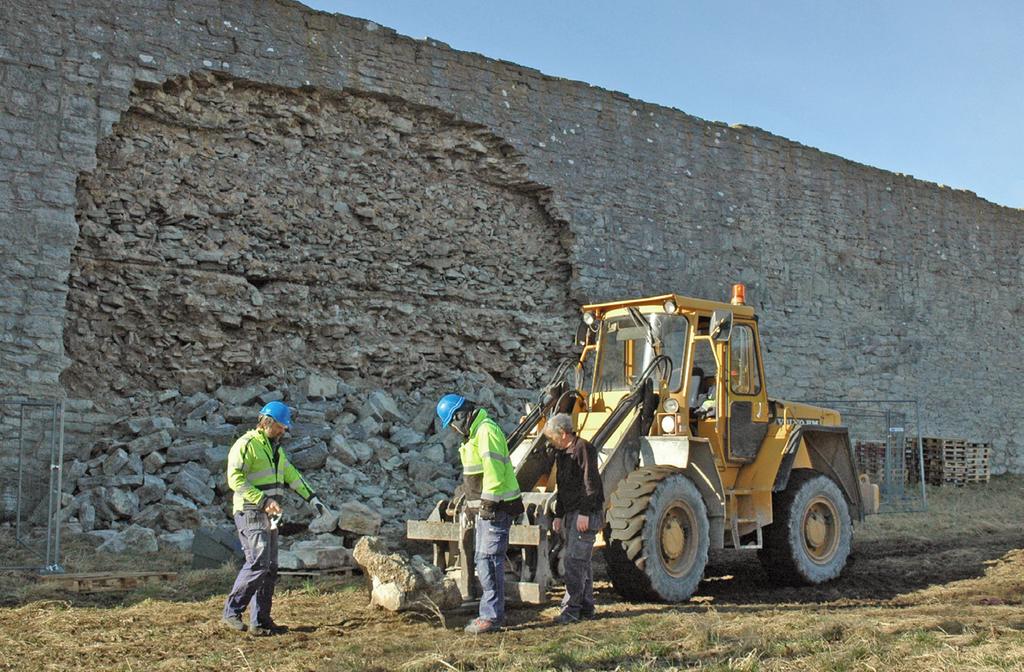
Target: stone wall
870,284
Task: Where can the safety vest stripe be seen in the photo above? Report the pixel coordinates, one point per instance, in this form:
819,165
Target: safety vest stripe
500,496
498,457
473,469
264,473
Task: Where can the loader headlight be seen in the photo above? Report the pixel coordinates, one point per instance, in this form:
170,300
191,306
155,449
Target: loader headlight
670,306
668,424
670,406
588,318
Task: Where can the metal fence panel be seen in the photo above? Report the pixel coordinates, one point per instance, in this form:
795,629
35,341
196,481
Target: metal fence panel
881,431
31,455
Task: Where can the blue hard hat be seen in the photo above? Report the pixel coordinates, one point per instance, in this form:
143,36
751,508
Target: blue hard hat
447,406
279,412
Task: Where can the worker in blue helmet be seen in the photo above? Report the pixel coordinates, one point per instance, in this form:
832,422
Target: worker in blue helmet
493,492
257,473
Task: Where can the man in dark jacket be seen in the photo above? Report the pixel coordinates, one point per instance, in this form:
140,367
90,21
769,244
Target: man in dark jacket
579,509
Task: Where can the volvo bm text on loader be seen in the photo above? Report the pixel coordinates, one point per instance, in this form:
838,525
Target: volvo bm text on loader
693,452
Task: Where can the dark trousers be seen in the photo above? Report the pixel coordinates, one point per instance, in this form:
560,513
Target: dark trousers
579,570
254,585
491,547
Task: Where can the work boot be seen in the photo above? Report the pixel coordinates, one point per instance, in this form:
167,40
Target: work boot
233,622
588,615
260,631
273,627
566,618
481,625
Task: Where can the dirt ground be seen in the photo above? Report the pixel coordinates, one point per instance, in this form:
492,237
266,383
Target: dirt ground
940,590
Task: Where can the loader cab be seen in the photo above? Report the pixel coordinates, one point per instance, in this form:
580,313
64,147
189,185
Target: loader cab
707,371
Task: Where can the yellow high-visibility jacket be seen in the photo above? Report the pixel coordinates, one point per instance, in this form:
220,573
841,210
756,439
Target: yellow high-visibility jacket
257,470
485,454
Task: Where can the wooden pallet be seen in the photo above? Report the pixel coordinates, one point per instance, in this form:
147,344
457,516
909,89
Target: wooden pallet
953,461
870,457
103,582
334,571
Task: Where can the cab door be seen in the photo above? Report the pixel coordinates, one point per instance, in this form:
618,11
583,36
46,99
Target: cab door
747,419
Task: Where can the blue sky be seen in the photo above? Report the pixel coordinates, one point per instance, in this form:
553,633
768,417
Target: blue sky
931,88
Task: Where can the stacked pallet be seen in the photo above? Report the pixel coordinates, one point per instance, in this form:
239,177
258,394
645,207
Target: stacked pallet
953,461
870,457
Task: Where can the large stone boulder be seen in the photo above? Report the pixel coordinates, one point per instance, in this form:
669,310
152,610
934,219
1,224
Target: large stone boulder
400,583
357,518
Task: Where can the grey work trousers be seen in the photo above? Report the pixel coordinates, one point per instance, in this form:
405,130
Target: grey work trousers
579,570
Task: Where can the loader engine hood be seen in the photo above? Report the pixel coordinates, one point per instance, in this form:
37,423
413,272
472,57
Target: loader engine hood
796,413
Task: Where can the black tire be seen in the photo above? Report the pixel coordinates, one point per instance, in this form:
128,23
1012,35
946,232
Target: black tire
657,536
809,539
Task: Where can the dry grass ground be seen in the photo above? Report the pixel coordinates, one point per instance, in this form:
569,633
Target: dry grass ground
934,591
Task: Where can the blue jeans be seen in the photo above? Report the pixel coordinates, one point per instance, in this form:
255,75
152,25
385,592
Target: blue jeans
254,585
491,546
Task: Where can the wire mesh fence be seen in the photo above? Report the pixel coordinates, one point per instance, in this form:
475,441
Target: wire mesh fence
31,454
886,438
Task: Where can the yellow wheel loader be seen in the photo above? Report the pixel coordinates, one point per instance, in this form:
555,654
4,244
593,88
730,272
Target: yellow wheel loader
693,454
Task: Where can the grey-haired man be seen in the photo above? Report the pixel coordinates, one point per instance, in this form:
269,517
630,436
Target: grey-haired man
579,508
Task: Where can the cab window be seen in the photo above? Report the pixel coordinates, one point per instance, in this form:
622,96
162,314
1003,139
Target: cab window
743,369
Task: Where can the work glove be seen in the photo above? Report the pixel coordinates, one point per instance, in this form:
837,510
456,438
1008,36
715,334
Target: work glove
487,509
318,506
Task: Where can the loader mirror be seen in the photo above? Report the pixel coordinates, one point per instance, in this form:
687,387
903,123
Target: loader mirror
581,333
721,326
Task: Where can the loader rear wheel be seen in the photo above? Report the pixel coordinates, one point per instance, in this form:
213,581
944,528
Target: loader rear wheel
657,536
809,540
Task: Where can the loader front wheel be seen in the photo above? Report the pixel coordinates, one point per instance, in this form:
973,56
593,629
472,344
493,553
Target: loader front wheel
809,540
657,543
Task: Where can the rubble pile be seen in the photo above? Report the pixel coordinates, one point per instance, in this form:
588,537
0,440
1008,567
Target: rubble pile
347,253
374,459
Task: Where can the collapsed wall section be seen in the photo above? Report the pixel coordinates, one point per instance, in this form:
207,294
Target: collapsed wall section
233,231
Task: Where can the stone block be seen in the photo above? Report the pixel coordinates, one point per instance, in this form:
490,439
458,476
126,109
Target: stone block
138,539
135,466
421,470
401,583
153,490
191,451
203,409
216,458
316,386
350,452
380,406
357,518
240,396
123,503
423,421
174,516
180,540
405,438
328,522
115,462
144,445
288,561
153,463
149,425
311,458
193,488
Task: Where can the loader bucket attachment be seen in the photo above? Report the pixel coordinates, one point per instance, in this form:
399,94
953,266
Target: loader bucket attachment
450,529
